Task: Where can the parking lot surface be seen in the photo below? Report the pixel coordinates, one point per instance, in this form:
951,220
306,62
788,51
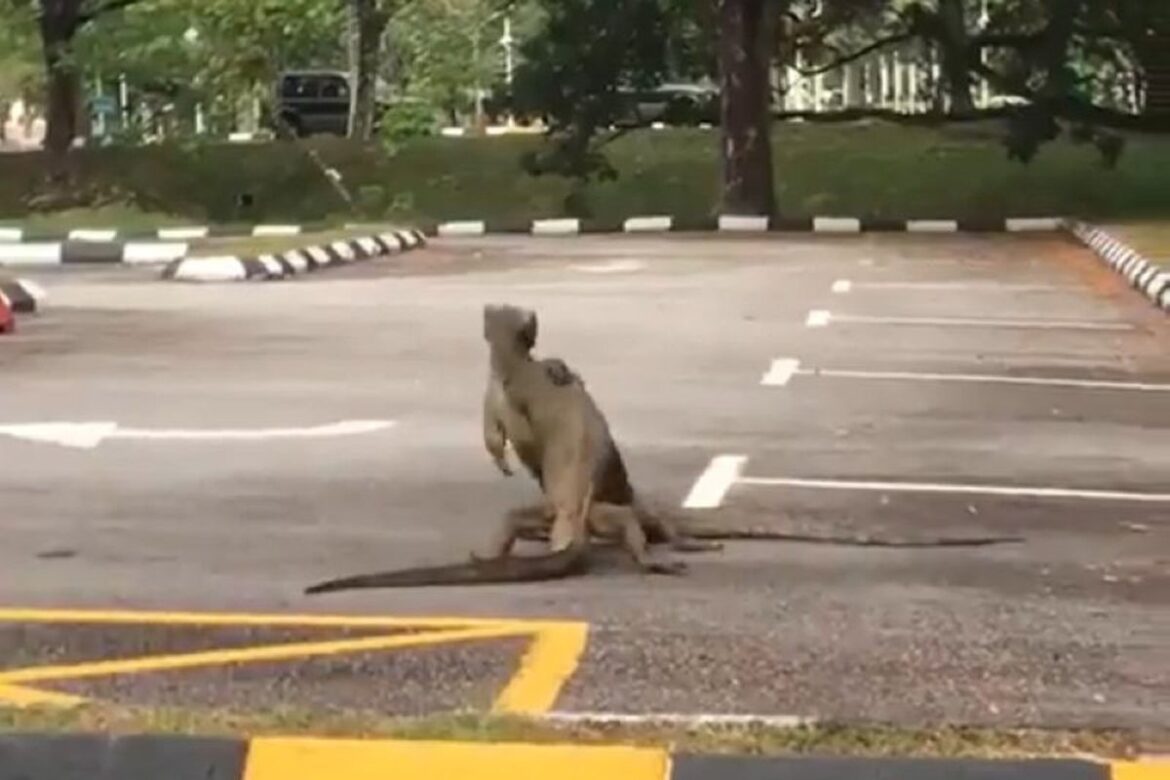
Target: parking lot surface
894,385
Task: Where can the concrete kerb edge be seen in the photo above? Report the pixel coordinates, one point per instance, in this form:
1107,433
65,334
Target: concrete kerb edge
1145,276
89,252
309,758
283,265
740,223
22,295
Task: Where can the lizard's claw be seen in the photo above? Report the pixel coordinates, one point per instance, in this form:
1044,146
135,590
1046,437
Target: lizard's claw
666,567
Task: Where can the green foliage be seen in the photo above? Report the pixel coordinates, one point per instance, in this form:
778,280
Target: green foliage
21,68
405,120
442,50
574,69
874,169
212,47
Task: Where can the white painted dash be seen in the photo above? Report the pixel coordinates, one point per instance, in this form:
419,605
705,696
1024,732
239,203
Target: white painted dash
712,485
836,225
276,230
647,224
183,233
680,718
818,318
556,227
781,370
89,234
1026,224
463,228
842,286
932,226
743,223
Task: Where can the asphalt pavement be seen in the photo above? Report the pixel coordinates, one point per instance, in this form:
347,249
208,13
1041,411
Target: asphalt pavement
878,384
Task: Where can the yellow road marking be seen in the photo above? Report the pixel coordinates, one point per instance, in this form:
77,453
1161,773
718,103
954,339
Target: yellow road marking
243,619
545,668
1140,770
247,655
18,696
291,758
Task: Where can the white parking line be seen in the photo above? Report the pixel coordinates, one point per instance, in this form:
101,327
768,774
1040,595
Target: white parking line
944,487
821,318
783,369
712,485
725,471
818,318
973,286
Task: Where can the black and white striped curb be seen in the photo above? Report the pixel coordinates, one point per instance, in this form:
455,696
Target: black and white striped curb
570,226
21,295
42,255
282,265
172,233
1150,279
729,223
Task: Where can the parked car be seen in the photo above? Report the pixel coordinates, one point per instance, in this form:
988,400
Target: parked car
672,104
315,102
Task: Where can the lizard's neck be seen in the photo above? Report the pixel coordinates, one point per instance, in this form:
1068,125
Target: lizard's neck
506,361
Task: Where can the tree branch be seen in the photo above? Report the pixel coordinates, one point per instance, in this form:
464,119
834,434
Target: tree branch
862,52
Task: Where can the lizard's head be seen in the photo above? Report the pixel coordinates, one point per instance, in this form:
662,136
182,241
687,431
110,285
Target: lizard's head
505,324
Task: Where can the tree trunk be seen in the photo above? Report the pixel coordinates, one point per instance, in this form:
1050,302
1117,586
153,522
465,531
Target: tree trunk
58,24
746,39
955,48
366,24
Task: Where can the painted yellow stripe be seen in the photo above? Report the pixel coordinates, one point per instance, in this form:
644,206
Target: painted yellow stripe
291,758
549,663
19,696
1158,769
250,654
22,615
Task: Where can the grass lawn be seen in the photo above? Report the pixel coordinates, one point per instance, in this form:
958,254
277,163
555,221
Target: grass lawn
251,246
860,740
862,169
1152,239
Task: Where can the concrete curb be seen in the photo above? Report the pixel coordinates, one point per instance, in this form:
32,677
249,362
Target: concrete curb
22,295
105,757
78,252
731,223
560,226
174,233
283,265
1147,277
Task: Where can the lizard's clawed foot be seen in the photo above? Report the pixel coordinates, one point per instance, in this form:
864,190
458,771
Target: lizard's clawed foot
695,545
665,567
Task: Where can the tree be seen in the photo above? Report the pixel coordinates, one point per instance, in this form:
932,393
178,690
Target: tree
446,51
222,54
576,75
367,22
21,74
747,36
59,21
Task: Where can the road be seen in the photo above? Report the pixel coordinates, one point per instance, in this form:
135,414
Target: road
885,356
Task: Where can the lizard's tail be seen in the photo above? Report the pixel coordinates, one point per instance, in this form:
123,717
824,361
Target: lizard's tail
852,540
564,563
